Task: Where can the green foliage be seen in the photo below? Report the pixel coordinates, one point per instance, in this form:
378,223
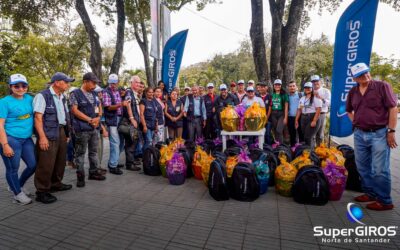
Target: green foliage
386,69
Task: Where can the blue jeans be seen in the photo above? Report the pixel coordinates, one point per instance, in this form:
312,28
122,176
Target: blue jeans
148,139
23,149
373,163
268,135
113,136
70,148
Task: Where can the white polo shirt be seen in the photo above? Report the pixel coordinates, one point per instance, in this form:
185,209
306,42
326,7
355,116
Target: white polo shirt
306,107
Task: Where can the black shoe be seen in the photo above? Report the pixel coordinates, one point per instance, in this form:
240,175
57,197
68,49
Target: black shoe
133,168
45,198
137,162
63,187
116,171
96,176
120,166
80,180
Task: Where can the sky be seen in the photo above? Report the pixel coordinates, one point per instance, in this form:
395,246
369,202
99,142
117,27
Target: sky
220,28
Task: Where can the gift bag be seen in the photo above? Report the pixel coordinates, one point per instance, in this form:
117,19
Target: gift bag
337,178
229,119
255,117
284,177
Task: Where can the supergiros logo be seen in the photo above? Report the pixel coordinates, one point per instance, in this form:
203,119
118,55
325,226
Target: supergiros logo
359,234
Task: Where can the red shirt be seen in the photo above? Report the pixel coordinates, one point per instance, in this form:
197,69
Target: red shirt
371,111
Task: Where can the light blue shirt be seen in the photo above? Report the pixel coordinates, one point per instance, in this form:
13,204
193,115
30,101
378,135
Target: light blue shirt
196,107
18,115
39,105
293,104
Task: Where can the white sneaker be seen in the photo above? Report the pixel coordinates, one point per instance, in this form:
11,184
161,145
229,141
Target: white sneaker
26,191
22,198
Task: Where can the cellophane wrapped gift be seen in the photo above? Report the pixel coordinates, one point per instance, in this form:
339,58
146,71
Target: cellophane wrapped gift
240,110
337,178
302,160
176,169
255,117
229,119
284,177
329,155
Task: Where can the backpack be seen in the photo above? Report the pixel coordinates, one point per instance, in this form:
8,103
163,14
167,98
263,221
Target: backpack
313,156
244,185
310,186
285,150
233,151
217,181
176,169
151,161
353,178
255,154
219,155
262,171
267,147
188,158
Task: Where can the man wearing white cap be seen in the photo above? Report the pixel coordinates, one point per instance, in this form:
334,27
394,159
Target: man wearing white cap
113,104
325,95
371,106
209,99
241,92
222,101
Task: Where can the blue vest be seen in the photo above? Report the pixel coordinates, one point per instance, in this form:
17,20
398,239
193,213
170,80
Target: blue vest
110,116
150,113
174,112
133,107
85,107
209,104
160,113
50,119
190,112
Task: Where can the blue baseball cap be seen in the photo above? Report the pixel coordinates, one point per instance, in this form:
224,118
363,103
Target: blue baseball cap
17,78
59,76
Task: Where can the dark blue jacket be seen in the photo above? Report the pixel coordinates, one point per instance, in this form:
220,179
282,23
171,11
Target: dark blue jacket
85,107
150,113
110,116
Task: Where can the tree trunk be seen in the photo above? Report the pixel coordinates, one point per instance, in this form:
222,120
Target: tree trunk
155,70
257,40
277,8
119,46
289,41
95,61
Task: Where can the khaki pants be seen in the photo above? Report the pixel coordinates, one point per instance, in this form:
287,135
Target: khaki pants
51,163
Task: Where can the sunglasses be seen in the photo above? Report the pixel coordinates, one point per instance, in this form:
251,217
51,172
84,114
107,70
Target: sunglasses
24,86
250,91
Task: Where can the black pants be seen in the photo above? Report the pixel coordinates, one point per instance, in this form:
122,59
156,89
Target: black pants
293,132
308,131
209,130
130,148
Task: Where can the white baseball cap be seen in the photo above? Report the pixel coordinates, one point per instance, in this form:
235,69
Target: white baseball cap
315,78
359,69
113,78
250,88
308,85
17,78
241,81
278,81
210,85
250,82
222,87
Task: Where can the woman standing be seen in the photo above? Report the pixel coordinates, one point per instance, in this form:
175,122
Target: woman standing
148,117
164,91
309,111
174,114
160,114
16,127
279,114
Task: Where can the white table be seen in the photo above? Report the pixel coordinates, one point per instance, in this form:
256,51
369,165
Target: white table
259,133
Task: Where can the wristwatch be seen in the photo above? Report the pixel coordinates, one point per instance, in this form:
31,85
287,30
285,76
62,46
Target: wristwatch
389,130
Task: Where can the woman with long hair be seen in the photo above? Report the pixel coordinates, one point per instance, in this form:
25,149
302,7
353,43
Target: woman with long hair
279,114
160,114
16,128
174,114
148,117
308,113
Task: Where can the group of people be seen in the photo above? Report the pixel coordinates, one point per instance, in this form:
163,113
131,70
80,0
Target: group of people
70,121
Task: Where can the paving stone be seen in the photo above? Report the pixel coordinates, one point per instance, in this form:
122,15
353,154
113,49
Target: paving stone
202,218
135,224
224,239
37,242
192,235
177,246
148,243
255,242
115,240
295,245
66,246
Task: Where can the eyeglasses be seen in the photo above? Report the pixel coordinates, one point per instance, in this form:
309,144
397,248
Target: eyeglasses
24,86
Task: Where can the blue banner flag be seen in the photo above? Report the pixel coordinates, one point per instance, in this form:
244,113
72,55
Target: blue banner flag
172,58
353,44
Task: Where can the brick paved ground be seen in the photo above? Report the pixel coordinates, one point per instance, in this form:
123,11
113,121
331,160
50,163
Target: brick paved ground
134,211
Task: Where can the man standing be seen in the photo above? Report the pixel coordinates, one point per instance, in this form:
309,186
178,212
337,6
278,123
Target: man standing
267,99
85,123
201,90
195,111
294,97
371,106
240,92
325,95
113,104
52,126
209,130
222,101
185,134
232,89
